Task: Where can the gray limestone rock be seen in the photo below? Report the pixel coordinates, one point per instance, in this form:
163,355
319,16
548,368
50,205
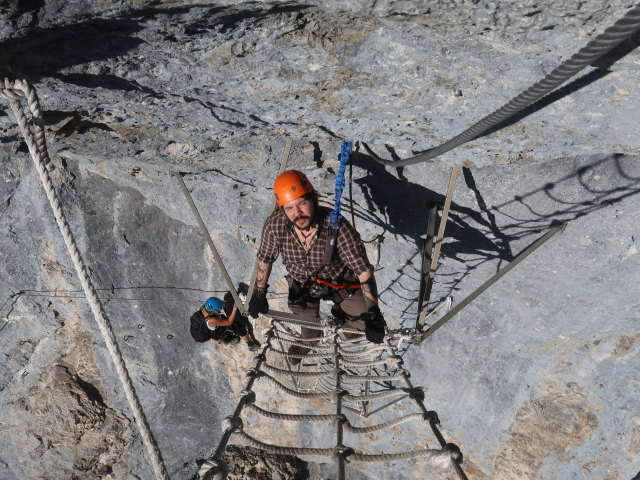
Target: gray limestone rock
535,379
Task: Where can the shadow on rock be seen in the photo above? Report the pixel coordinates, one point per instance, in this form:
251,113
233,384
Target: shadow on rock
43,52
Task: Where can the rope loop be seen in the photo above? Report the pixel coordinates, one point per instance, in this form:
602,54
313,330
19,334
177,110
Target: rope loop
232,424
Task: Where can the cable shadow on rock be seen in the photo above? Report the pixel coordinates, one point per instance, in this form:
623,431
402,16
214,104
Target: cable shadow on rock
400,207
475,237
107,81
234,16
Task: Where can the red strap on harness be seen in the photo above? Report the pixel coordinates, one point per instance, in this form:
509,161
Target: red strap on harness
338,286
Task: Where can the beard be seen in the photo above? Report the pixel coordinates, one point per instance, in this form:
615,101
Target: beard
303,222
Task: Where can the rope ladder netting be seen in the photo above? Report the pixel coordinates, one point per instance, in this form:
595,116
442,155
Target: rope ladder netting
345,377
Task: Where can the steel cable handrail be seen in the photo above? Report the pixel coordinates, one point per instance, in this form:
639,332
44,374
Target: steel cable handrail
599,46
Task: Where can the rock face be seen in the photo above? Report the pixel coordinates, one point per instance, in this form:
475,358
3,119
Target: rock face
248,462
535,379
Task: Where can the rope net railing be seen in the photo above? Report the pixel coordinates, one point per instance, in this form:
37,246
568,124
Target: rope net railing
347,387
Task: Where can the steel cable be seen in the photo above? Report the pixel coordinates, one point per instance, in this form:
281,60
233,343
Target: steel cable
599,46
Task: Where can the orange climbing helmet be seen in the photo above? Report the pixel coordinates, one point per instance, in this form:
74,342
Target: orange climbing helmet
289,185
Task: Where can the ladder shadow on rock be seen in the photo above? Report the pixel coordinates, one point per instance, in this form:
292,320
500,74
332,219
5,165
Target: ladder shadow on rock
496,232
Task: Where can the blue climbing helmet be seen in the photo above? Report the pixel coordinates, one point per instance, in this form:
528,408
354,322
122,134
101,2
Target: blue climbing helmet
213,304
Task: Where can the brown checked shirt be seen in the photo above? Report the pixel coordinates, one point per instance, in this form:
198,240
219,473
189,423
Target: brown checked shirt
349,258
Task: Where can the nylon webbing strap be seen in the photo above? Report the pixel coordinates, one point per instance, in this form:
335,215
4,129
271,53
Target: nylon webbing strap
334,221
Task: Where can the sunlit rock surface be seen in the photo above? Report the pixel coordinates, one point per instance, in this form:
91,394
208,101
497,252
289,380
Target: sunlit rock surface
537,378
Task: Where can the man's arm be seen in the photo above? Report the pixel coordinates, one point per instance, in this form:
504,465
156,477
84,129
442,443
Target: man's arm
258,302
262,276
373,319
369,288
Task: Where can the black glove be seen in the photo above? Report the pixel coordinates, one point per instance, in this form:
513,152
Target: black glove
258,303
374,324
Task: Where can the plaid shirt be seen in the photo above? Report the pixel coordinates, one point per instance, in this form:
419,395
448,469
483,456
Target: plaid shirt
349,257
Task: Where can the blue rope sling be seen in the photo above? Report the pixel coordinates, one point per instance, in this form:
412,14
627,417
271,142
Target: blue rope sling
334,222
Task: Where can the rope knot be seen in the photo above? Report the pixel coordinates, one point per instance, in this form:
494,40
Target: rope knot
454,451
232,424
431,417
404,372
339,392
341,419
253,373
249,397
416,394
342,451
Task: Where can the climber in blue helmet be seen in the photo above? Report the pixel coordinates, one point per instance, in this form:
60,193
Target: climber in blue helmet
221,320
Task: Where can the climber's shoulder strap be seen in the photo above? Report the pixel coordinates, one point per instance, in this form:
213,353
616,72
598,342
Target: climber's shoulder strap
332,238
336,218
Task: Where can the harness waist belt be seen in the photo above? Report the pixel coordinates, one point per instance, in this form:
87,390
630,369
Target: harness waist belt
353,286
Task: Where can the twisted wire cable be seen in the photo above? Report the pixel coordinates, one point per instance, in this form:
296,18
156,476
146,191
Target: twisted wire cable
599,46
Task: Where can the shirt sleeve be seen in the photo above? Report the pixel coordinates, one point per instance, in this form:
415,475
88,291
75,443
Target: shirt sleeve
269,246
351,249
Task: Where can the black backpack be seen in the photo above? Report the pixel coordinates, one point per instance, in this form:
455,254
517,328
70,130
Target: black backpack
199,330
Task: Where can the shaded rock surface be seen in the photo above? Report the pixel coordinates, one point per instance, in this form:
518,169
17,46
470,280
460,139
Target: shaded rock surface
248,462
535,379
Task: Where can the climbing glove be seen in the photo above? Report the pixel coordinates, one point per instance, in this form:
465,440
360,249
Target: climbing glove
258,303
374,324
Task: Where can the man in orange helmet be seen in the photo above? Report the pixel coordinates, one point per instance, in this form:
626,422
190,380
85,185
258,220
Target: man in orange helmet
299,230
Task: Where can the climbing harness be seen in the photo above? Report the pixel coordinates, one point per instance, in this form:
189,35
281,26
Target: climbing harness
334,221
346,368
595,49
34,137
